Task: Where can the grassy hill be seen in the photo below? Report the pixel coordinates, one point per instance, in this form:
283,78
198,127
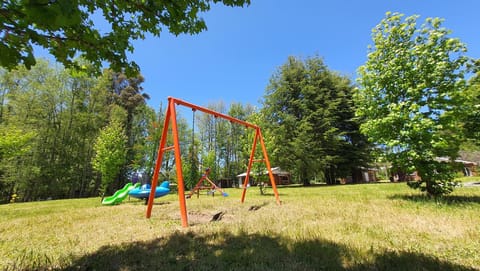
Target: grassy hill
382,226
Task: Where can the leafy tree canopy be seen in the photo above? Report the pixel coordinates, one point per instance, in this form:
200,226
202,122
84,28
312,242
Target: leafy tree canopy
472,118
110,152
411,96
13,142
68,28
308,112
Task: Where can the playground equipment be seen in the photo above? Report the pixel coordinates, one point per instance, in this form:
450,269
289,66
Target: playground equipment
119,195
144,191
212,187
171,118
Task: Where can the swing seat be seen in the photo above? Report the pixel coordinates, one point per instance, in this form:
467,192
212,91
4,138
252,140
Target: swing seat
224,194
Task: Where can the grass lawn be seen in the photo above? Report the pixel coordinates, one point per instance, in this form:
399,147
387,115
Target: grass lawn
384,226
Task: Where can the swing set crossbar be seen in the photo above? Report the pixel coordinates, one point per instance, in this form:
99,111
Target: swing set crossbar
214,113
171,119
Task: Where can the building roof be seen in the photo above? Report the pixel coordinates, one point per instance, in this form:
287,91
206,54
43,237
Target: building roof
446,159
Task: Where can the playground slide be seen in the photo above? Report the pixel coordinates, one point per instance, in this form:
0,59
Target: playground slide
120,195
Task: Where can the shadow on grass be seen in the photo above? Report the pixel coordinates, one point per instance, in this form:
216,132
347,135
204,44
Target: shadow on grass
449,200
225,251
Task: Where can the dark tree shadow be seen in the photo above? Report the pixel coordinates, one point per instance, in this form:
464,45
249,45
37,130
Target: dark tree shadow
408,261
450,200
225,251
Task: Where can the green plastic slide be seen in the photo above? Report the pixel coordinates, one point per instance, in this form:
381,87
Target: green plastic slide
120,195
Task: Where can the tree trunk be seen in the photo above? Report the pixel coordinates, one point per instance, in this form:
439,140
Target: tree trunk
329,175
430,190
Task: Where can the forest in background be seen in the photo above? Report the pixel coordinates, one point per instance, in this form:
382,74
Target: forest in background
66,133
53,122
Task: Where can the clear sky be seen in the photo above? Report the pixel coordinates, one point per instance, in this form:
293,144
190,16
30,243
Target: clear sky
234,59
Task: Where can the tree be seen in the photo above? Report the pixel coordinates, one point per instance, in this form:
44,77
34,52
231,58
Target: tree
14,143
65,113
239,143
67,28
470,148
213,137
110,153
410,97
88,109
309,114
152,140
59,113
222,144
472,118
127,93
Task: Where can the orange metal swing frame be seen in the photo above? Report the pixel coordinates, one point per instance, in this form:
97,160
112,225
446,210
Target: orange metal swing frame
171,118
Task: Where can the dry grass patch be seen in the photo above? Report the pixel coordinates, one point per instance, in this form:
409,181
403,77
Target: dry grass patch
355,227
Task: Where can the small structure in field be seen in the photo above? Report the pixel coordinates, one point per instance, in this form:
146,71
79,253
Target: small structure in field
280,176
361,175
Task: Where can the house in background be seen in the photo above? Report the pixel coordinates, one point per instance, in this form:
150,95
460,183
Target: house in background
468,168
280,176
361,175
369,175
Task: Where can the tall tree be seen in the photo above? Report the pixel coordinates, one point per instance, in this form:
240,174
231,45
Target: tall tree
237,151
152,141
127,92
87,112
411,95
213,138
309,111
67,28
472,118
470,148
146,138
110,151
222,144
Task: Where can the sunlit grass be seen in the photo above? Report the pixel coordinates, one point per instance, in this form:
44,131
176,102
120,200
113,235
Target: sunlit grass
350,227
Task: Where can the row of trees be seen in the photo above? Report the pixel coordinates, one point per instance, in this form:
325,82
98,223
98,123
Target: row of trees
66,117
50,119
413,105
219,145
66,133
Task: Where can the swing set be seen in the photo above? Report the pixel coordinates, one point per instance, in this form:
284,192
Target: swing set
171,119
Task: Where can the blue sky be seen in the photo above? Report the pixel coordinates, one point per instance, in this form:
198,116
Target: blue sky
234,59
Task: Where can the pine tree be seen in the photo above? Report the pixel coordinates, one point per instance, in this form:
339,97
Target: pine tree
309,111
